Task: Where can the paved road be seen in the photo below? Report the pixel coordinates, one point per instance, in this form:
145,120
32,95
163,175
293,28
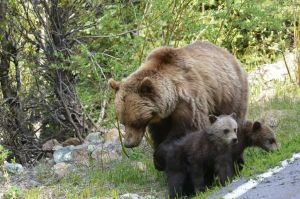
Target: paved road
282,185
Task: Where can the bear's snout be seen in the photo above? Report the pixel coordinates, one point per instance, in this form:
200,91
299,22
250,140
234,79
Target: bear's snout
133,137
234,141
132,142
271,147
129,144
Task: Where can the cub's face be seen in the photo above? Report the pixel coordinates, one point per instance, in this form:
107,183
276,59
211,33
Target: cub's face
262,136
223,129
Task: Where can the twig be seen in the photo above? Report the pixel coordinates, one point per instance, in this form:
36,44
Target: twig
120,138
108,36
92,58
102,112
286,66
149,140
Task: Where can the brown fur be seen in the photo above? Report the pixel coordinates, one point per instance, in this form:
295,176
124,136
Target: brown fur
176,89
187,160
253,134
250,134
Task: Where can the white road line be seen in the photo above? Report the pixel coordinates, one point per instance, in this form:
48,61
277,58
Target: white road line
240,190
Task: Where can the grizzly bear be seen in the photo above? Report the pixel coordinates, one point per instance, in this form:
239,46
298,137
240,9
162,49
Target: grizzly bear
250,134
176,89
253,134
188,158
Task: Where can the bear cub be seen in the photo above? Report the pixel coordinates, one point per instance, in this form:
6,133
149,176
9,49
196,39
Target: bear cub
253,134
188,158
250,134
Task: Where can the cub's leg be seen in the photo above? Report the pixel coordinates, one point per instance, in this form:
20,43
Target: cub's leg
175,183
197,176
224,169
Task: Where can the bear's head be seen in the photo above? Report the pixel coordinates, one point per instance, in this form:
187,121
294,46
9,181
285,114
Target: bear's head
262,136
223,129
142,98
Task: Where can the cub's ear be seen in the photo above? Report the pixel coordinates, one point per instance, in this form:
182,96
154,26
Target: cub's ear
212,118
114,84
256,126
233,115
147,86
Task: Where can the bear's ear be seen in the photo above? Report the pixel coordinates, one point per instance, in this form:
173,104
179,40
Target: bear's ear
233,115
256,126
212,118
164,55
172,56
146,86
114,84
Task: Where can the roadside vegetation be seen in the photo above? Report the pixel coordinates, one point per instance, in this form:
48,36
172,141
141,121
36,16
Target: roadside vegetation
56,58
123,177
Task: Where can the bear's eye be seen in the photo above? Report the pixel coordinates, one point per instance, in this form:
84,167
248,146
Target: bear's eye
226,131
137,124
235,130
272,141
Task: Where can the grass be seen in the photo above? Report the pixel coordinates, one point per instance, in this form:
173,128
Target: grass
115,178
287,133
123,177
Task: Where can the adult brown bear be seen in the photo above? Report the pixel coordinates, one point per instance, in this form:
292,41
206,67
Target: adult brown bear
176,89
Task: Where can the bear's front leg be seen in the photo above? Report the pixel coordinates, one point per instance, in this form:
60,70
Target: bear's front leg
224,169
175,183
197,176
240,162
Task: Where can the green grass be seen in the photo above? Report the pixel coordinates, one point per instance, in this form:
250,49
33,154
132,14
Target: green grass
287,133
115,178
123,177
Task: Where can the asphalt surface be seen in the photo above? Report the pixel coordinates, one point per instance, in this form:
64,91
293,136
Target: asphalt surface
282,185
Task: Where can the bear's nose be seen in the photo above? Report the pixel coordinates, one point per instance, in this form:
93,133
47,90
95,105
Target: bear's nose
234,141
128,144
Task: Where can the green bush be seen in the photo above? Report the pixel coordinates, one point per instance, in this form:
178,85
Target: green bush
13,193
248,29
3,155
112,38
